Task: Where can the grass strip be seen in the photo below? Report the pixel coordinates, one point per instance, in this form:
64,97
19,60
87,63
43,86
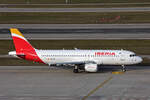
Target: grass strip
74,18
141,47
76,6
17,62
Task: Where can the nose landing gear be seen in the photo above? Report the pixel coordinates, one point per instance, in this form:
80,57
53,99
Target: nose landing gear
123,68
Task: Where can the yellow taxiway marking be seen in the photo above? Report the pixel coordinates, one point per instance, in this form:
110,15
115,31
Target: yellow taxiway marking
95,89
117,72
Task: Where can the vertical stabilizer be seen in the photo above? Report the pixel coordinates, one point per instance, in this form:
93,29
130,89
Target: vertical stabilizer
23,48
20,42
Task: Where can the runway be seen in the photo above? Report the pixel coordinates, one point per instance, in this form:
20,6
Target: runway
78,31
74,36
50,4
128,9
86,33
44,83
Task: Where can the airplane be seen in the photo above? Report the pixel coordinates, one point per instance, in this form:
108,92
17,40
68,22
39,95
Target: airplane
87,60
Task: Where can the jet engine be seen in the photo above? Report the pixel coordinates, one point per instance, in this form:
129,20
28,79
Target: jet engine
91,67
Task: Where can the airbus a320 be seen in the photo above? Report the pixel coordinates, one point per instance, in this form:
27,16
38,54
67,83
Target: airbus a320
87,60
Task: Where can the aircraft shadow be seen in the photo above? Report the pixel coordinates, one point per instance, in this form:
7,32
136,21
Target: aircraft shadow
109,68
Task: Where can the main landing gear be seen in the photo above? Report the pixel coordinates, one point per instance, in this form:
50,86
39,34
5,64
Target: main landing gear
123,68
76,69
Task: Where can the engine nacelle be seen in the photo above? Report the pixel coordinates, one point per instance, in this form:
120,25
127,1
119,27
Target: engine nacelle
91,67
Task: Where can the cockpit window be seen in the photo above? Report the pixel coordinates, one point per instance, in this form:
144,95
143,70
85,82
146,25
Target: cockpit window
132,55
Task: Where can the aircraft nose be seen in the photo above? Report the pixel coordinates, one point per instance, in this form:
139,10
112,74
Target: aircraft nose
139,59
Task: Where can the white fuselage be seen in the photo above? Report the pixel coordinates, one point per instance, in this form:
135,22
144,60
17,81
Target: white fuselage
100,57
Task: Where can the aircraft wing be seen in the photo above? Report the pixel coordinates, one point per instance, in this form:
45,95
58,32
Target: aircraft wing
78,62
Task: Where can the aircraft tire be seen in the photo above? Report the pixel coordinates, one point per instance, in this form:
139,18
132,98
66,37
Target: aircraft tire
75,70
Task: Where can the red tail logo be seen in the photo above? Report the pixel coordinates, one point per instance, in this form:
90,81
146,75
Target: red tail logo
23,48
20,42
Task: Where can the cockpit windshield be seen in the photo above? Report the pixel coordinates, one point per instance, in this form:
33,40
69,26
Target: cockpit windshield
132,55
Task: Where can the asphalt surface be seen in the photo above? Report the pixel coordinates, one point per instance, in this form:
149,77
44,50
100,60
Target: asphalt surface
44,83
137,3
129,9
75,36
80,33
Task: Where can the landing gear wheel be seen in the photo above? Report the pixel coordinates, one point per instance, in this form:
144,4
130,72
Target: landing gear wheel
76,70
123,68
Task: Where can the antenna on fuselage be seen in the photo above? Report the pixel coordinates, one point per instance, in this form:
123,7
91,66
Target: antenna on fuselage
75,48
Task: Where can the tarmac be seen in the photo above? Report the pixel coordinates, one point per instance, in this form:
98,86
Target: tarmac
121,9
49,4
44,83
94,36
78,31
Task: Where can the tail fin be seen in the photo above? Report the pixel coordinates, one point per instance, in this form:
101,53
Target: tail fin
23,48
20,42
